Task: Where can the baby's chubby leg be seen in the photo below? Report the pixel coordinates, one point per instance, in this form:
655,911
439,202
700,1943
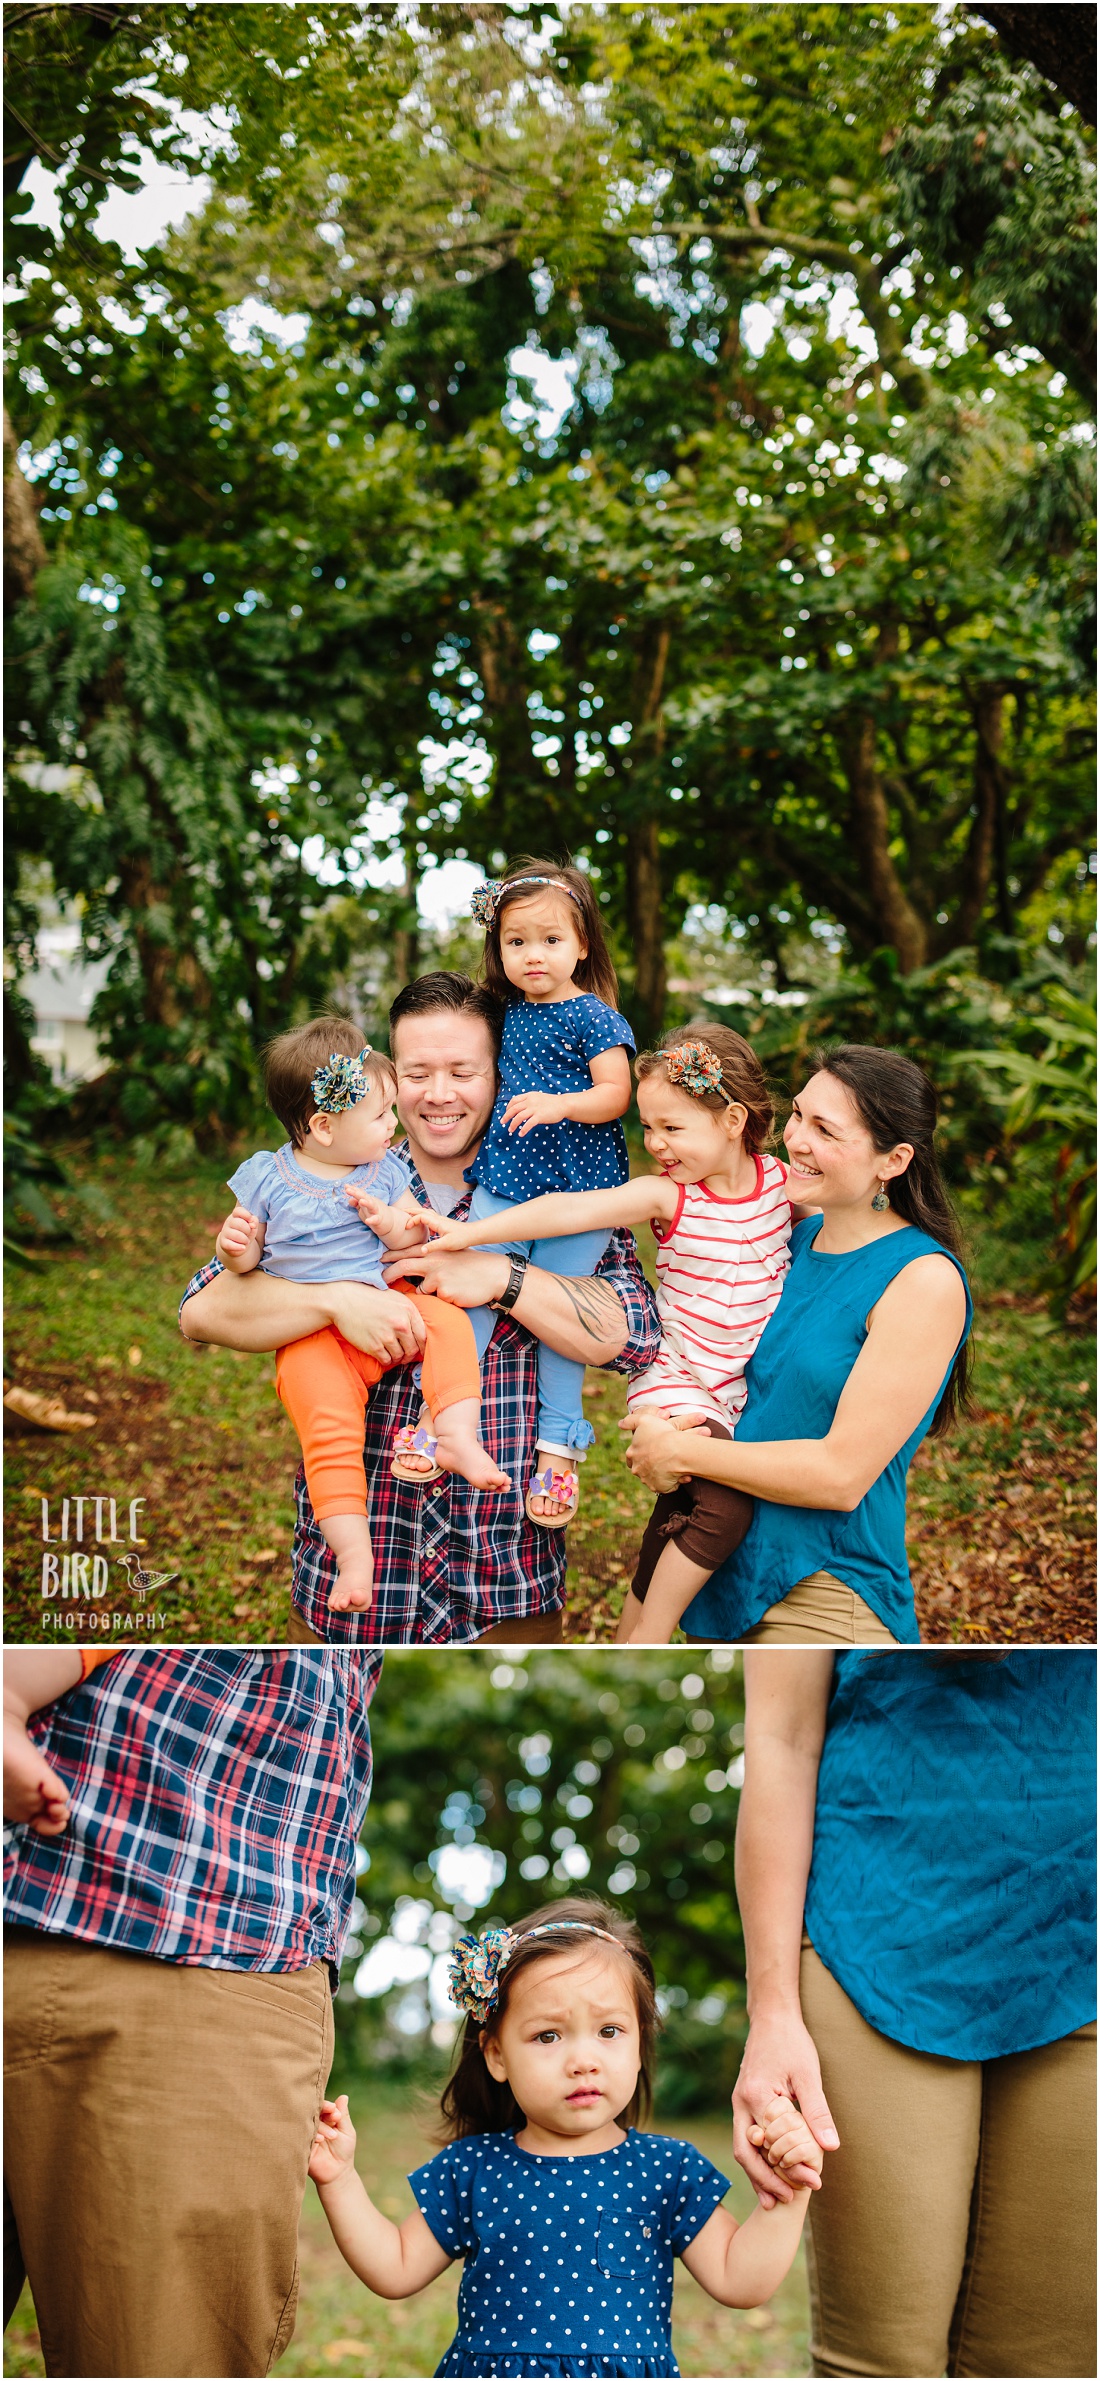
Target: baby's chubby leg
348,1534
452,1388
461,1450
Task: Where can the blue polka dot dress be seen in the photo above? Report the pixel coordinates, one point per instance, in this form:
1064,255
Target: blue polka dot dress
568,2260
547,1046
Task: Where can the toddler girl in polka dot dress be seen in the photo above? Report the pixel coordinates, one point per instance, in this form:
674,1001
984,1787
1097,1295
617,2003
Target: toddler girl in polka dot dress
564,1083
568,2219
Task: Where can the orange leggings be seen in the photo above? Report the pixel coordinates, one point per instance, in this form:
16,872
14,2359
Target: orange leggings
324,1383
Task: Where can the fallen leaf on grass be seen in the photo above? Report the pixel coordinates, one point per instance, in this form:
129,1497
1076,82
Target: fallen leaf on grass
336,2350
759,2318
133,1355
44,1412
243,1611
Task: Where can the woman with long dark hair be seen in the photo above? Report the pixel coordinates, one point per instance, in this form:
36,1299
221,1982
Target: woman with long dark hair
864,1355
916,1865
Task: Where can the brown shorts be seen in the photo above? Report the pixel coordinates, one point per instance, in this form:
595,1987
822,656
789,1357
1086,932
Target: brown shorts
704,1519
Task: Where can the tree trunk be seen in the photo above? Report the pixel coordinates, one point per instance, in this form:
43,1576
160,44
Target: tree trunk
987,705
24,552
406,941
644,901
901,925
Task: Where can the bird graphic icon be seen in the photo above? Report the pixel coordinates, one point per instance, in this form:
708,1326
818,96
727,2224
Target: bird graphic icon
142,1582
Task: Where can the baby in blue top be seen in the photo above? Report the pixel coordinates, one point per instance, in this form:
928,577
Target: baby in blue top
564,1084
333,1204
568,2219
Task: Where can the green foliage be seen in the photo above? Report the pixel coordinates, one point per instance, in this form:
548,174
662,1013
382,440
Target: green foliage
802,631
31,1174
1050,1118
603,1773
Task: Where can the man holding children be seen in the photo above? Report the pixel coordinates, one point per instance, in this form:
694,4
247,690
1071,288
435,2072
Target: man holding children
451,1563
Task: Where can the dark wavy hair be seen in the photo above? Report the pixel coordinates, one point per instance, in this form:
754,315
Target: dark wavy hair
595,973
895,1101
743,1077
472,2100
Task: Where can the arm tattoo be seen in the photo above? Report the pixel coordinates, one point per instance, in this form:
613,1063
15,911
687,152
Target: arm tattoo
594,1303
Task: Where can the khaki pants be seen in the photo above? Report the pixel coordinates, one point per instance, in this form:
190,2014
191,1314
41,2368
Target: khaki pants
955,2231
820,1611
158,2128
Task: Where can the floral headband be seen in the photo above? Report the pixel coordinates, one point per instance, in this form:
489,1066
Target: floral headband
341,1083
478,1965
695,1068
486,899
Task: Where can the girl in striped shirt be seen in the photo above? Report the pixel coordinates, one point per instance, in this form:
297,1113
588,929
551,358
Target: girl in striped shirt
721,1218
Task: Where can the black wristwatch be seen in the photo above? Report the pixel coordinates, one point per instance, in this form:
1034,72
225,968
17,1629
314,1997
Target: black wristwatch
505,1303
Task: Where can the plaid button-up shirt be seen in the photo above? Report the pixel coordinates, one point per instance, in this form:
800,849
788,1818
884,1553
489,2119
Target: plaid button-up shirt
216,1799
450,1563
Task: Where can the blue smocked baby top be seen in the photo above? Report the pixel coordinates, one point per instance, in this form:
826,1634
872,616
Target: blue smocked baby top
568,2260
547,1046
312,1232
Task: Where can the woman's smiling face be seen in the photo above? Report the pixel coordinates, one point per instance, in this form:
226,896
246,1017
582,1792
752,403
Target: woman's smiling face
833,1160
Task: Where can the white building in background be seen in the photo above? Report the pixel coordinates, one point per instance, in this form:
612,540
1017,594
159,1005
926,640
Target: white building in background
60,992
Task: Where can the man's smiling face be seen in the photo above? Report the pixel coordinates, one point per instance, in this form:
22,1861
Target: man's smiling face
446,1085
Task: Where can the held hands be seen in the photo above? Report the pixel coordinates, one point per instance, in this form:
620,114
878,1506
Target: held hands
530,1108
333,2150
660,1451
240,1241
443,1233
396,1226
784,2138
780,2064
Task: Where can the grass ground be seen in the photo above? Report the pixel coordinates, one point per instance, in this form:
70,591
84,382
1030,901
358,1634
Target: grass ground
1001,1514
341,2329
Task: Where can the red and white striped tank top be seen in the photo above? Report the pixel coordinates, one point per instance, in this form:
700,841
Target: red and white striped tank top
720,1270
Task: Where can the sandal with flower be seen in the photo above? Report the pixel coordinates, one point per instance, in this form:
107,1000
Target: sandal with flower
563,1486
414,1439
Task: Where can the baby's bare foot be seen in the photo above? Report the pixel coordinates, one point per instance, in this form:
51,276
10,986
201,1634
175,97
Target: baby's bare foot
354,1588
465,1454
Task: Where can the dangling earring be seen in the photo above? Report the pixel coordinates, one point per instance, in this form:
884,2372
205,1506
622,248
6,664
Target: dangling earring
880,1202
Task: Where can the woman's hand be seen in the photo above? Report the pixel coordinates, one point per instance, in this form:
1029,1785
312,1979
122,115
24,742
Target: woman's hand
780,2062
333,2149
657,1451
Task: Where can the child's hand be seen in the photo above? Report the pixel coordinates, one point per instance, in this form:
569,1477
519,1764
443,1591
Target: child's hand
240,1239
375,1213
34,1795
444,1233
530,1108
788,2144
333,2151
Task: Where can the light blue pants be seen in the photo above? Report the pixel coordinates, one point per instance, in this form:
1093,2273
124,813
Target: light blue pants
561,1413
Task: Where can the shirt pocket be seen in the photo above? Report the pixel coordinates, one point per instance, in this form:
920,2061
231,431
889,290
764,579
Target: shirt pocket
623,2245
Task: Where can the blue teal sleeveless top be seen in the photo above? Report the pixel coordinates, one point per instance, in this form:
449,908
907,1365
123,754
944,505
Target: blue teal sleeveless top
795,1379
952,1888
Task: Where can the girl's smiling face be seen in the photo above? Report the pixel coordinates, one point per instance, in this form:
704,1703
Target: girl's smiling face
686,1140
541,946
569,2045
355,1137
834,1162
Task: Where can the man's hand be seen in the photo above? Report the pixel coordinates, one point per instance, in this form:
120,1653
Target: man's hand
530,1108
473,1277
333,2150
240,1241
780,2063
381,1322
